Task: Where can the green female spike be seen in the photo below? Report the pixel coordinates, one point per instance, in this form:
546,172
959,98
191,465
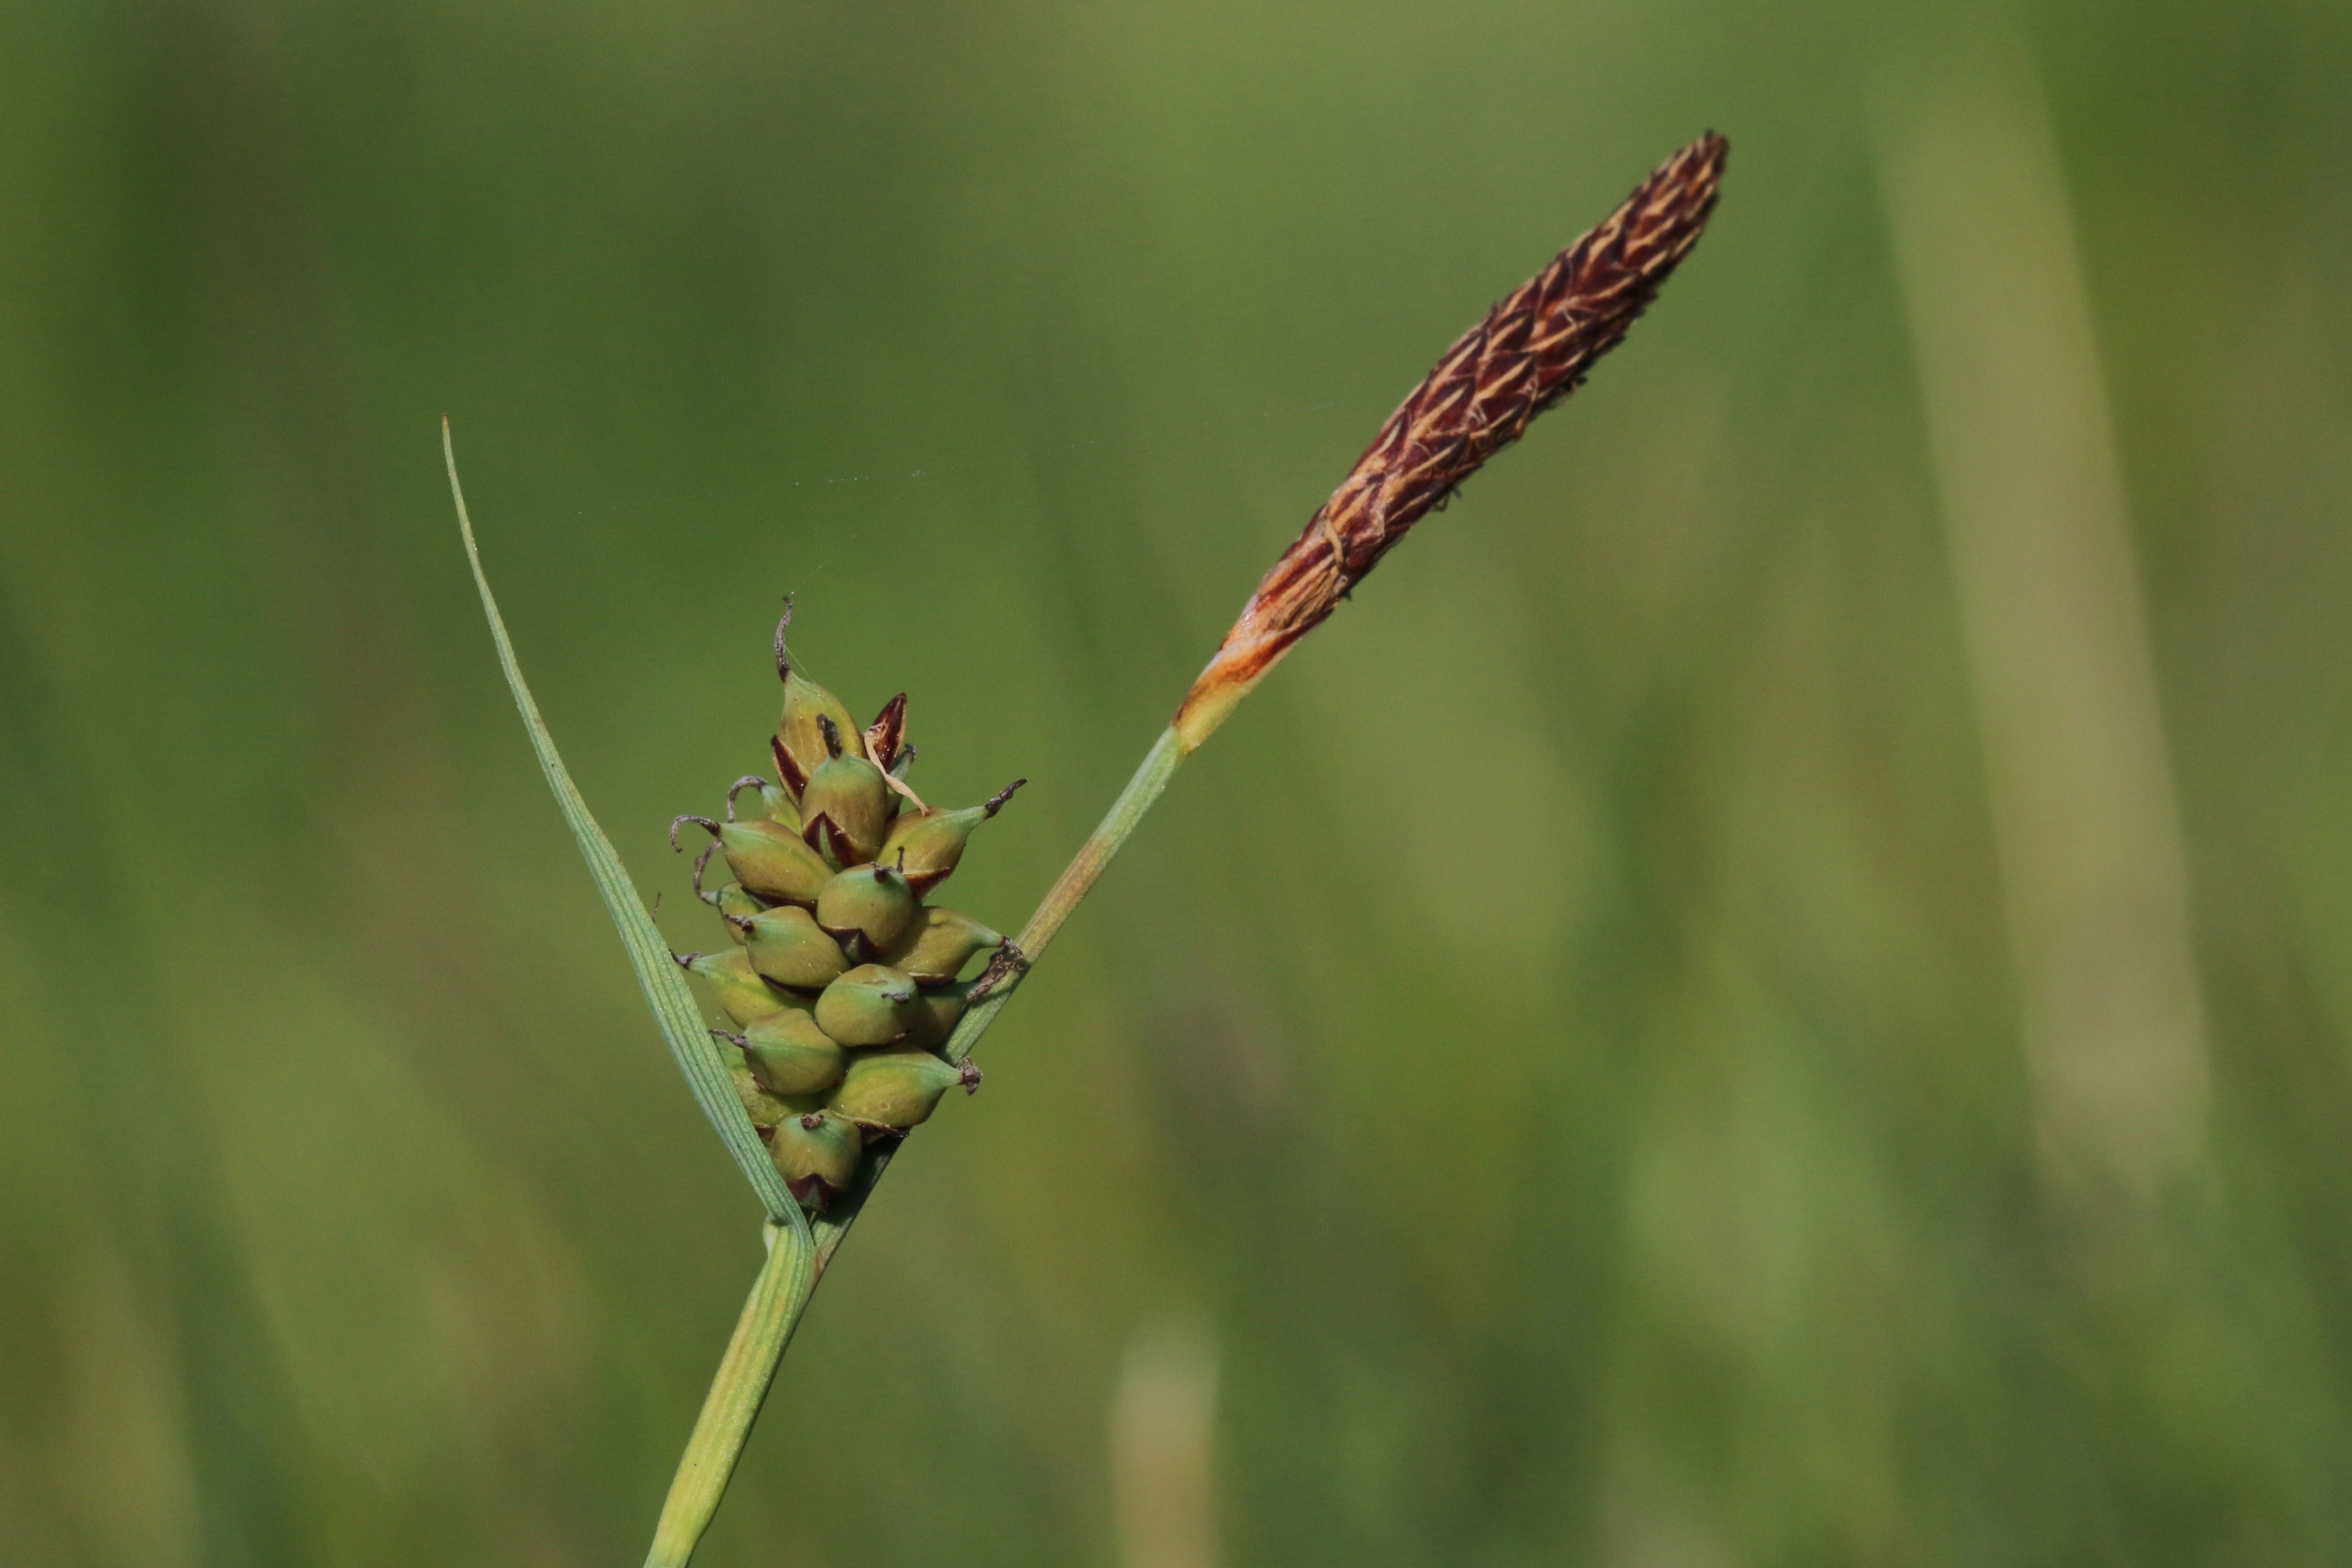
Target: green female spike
898,1088
869,1005
786,946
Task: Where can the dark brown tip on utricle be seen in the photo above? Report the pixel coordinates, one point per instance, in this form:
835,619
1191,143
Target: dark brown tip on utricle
702,822
783,654
684,959
740,922
970,1077
832,732
738,1041
996,802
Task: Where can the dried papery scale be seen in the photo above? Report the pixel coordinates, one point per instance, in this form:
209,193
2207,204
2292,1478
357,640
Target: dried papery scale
845,983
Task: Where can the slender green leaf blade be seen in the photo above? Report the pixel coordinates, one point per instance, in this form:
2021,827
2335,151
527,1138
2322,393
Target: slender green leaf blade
665,990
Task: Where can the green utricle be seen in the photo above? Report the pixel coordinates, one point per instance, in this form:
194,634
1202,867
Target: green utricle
845,985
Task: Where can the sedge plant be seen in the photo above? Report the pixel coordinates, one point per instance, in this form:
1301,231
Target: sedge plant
841,977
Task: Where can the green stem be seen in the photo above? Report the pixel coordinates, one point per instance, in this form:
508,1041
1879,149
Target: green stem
1078,878
773,1310
1151,777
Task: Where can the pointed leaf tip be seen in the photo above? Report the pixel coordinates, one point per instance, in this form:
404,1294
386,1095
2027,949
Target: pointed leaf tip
656,967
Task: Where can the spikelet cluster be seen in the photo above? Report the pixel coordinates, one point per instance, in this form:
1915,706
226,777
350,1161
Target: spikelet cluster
843,981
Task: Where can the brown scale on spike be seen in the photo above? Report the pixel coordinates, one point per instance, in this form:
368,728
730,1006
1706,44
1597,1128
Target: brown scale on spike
887,731
1533,349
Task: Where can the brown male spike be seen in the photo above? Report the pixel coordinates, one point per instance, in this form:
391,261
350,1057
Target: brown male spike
1531,351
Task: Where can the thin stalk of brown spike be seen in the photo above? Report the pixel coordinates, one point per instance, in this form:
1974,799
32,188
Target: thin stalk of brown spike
1533,349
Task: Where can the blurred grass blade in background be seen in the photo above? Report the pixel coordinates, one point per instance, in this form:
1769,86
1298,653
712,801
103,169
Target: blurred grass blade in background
2093,873
1163,1444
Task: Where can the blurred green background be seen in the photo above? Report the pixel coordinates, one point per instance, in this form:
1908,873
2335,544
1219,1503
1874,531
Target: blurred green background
1553,1084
